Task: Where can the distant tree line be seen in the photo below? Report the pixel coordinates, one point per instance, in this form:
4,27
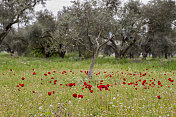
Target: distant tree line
126,30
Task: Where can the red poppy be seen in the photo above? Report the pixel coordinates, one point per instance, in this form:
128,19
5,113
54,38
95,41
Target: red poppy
74,95
10,69
22,85
80,96
33,91
85,83
34,73
143,82
70,84
49,72
49,93
22,78
55,81
45,74
159,83
158,97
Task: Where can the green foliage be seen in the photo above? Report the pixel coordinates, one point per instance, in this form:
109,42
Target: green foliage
37,53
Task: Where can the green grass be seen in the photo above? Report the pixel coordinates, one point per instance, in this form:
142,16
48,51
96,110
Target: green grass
118,100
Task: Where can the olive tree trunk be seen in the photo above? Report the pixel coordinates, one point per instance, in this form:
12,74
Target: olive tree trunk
96,53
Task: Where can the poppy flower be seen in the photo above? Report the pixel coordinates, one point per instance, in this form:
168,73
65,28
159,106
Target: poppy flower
45,74
143,82
74,95
49,93
22,78
159,83
49,72
70,84
158,97
34,73
80,96
10,69
33,91
22,85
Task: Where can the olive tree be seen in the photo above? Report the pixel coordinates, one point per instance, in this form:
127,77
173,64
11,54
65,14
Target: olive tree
13,12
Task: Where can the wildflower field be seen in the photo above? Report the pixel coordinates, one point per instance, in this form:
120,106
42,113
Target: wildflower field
60,87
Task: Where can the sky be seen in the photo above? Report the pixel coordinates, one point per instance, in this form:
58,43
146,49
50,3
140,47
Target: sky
56,5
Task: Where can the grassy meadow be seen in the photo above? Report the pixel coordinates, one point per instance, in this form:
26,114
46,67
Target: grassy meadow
60,87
